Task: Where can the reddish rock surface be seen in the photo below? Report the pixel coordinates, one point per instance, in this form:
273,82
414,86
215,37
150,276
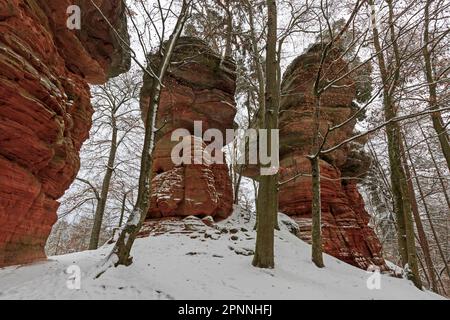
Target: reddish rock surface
345,230
45,110
198,87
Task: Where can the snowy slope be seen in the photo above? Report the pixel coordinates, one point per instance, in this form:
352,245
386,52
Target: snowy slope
182,264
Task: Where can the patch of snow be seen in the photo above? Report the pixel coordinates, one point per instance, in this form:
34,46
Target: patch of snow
136,217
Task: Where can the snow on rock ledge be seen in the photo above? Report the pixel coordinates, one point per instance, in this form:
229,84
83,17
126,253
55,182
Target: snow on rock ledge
199,86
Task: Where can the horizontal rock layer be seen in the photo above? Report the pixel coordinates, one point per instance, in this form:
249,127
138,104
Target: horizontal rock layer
345,231
45,110
199,86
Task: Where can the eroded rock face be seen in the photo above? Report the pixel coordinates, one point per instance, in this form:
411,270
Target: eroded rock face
45,110
345,230
199,86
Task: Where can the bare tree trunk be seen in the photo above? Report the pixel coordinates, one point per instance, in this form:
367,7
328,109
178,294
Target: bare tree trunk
427,212
122,209
438,170
423,268
258,67
423,241
384,179
436,117
229,31
398,193
316,232
120,254
255,189
101,204
267,202
402,205
238,184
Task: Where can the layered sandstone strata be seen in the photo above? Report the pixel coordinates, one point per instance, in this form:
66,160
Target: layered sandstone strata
45,110
199,86
345,230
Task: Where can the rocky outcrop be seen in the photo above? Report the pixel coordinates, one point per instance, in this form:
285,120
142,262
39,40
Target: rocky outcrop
345,230
45,110
199,86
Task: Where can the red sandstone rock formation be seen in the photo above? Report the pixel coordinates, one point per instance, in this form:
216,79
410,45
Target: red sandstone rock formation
345,230
45,110
199,86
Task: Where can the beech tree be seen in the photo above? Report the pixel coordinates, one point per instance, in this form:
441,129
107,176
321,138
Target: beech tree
402,205
268,92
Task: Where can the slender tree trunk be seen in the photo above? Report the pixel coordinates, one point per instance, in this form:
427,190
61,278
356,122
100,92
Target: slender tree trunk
438,170
402,205
427,212
381,171
423,241
229,32
101,204
398,193
238,184
316,232
120,254
436,117
58,242
390,133
122,209
255,189
258,67
425,273
267,202
316,214
387,185
317,145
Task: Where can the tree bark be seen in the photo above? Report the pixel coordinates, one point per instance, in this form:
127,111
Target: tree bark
402,205
120,254
267,202
229,31
237,185
316,214
122,209
438,170
316,233
423,241
430,221
101,204
258,67
436,117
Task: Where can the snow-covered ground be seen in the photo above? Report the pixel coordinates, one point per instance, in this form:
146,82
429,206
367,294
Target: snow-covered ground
206,263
